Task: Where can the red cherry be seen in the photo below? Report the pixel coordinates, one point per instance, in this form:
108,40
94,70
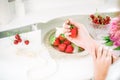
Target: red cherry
104,21
20,40
92,16
107,18
15,42
95,20
26,42
17,36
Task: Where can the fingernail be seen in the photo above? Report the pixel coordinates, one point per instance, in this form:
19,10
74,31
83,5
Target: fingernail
68,21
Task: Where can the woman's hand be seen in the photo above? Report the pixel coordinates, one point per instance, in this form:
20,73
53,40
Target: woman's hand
83,38
102,62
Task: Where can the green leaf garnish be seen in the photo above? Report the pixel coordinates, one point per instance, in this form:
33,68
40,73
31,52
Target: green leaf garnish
107,38
117,48
52,39
110,43
63,35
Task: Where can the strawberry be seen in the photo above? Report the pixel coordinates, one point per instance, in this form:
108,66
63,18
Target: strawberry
62,47
26,42
56,42
74,32
61,37
69,49
67,42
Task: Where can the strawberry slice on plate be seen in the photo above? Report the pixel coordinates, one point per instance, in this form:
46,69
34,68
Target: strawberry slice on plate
62,47
62,37
56,42
69,49
67,42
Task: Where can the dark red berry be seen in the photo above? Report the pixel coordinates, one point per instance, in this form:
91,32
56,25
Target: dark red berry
95,20
107,18
15,42
20,40
26,42
92,16
17,36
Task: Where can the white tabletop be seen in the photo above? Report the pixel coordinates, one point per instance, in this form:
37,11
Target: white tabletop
16,60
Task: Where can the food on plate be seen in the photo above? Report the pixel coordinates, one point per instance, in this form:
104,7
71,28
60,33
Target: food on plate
62,47
69,49
62,44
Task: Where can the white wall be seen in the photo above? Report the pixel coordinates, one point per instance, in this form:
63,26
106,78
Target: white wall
49,9
73,6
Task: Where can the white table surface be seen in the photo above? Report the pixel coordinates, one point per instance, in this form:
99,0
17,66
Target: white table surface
14,66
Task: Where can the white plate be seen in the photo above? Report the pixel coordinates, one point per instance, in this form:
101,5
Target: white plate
54,51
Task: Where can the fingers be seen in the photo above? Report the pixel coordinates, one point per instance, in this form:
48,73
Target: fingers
114,58
105,52
66,31
99,52
70,22
66,26
94,54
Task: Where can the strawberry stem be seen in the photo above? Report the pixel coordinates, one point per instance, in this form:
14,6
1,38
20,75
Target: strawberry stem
71,26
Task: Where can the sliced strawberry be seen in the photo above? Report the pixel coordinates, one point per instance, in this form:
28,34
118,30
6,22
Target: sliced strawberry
62,47
67,42
74,32
69,49
62,38
56,42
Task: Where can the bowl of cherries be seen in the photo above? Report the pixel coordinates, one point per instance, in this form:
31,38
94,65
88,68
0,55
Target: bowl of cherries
99,21
99,25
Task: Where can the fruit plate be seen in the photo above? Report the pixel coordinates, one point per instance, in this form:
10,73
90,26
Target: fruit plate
53,51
